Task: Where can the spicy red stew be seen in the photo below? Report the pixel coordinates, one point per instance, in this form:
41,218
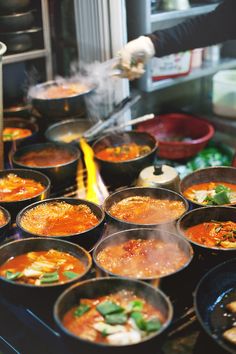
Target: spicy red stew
62,90
142,258
14,188
42,267
147,210
212,193
214,234
121,318
50,156
123,152
11,133
58,219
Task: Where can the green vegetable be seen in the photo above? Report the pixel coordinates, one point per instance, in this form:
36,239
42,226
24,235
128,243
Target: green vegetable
81,309
139,320
13,276
116,318
135,305
221,188
49,278
153,325
108,307
70,275
221,198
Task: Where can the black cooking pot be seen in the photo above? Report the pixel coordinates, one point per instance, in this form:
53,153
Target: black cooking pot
21,41
11,146
206,175
66,129
86,239
39,297
58,107
214,291
124,173
95,288
157,193
11,6
17,21
15,206
206,256
5,227
62,175
168,282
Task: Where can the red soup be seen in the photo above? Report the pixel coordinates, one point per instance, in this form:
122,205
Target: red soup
123,152
58,219
121,318
42,268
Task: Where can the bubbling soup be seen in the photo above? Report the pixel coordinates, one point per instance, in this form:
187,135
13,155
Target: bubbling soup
123,152
58,219
14,188
42,268
46,157
147,210
62,90
121,318
141,258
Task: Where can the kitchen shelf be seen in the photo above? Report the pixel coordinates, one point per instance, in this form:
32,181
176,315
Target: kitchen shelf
172,15
205,70
37,53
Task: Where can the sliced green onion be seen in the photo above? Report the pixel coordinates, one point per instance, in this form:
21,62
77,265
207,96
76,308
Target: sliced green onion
153,325
81,309
49,278
13,276
70,275
116,318
108,307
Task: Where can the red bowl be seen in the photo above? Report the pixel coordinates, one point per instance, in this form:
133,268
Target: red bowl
172,132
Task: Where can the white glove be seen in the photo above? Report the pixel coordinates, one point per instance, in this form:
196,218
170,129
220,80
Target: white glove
134,55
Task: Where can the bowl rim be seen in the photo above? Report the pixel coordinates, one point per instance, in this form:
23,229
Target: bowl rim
33,148
14,171
24,121
34,239
130,133
193,142
59,199
156,189
143,230
55,83
165,325
203,209
17,14
204,170
8,216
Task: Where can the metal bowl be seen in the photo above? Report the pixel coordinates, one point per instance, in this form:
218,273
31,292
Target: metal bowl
124,173
11,6
86,239
58,107
100,287
17,21
21,41
15,206
62,175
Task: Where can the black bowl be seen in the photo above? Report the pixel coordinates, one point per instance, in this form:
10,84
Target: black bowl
157,193
21,41
98,287
15,206
124,173
11,6
58,107
166,282
11,146
56,132
61,176
4,228
38,296
207,256
16,21
86,239
205,175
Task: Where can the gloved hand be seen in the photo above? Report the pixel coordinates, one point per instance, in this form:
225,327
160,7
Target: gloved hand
134,55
